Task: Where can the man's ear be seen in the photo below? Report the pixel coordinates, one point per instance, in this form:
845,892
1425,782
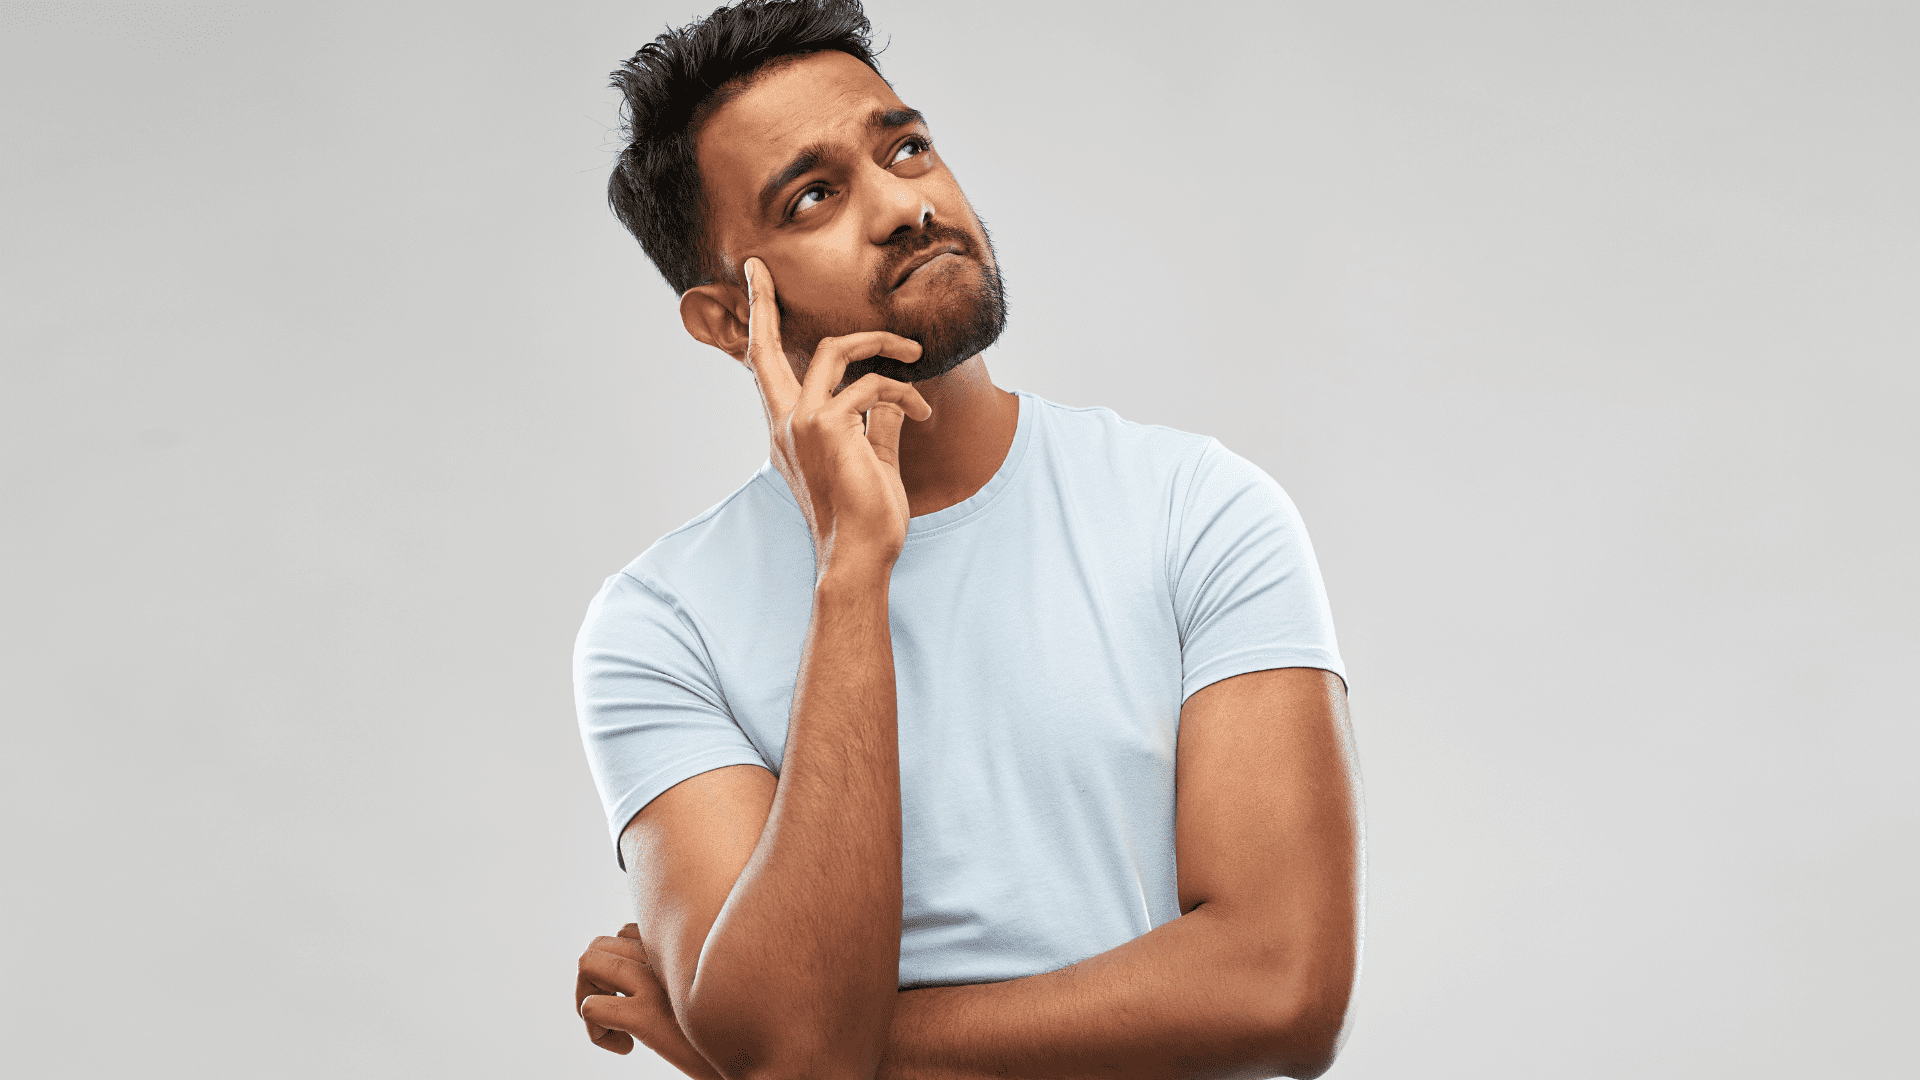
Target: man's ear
715,314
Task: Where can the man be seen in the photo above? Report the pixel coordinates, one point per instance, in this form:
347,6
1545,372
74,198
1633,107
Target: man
976,735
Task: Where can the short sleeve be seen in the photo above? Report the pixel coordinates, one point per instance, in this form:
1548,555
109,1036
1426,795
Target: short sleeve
1247,592
651,712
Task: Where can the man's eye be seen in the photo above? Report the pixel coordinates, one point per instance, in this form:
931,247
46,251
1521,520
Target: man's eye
908,149
810,197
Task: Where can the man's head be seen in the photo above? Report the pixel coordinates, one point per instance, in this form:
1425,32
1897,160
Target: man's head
766,131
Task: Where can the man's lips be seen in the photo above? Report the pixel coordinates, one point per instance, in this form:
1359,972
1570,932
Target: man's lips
923,259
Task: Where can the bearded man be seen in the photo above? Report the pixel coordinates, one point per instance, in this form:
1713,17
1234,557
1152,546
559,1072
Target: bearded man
975,735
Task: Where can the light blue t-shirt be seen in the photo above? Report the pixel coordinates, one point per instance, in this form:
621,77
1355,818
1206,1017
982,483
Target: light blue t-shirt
1046,632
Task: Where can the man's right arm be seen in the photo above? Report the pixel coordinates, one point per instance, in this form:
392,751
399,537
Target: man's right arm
772,910
773,918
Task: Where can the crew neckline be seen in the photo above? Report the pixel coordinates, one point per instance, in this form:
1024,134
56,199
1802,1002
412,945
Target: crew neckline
940,521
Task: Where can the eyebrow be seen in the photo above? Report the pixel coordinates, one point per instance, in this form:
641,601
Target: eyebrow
804,163
882,119
809,159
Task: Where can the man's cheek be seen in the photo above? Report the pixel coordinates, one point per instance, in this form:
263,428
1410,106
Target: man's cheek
838,316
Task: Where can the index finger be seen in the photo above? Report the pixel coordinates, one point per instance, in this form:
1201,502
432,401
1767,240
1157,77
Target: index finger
778,388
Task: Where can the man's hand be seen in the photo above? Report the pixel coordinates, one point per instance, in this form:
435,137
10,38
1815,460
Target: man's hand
840,453
620,997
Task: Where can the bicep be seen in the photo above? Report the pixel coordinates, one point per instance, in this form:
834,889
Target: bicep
684,851
1268,822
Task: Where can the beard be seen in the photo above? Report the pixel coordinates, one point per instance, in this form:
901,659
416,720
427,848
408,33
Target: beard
963,323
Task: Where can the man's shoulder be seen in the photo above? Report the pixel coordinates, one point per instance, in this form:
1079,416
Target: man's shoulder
729,539
1118,454
1100,432
1178,472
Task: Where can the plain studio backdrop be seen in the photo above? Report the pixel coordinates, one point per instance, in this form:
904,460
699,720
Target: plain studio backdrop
1584,335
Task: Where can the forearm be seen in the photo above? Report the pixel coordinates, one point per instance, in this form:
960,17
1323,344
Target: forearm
801,967
1194,999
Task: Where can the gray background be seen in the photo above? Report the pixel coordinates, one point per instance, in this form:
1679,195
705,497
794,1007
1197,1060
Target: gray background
1584,336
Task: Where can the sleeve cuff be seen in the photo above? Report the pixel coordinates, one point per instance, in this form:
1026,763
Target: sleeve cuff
686,768
1240,663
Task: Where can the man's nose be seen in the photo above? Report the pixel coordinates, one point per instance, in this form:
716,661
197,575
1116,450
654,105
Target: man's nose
903,210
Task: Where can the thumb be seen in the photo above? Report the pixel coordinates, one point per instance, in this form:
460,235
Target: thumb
606,1023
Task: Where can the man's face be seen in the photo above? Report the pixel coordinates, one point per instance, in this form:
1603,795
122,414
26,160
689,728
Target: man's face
822,173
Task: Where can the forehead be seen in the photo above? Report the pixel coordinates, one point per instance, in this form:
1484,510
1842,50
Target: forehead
821,99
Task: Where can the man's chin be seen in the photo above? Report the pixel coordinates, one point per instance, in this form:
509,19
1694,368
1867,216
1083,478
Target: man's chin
970,322
941,350
954,341
929,367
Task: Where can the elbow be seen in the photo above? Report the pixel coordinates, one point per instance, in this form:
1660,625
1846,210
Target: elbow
1305,1026
728,1040
746,1047
796,1067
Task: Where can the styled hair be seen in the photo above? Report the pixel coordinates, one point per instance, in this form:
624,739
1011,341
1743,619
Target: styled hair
674,83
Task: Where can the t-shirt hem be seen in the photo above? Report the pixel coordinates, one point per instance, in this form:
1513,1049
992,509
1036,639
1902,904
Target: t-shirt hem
658,784
1241,663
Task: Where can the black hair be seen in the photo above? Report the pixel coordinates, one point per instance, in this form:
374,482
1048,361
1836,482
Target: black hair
674,83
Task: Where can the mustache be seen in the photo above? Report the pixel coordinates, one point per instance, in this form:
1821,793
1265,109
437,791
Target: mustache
904,249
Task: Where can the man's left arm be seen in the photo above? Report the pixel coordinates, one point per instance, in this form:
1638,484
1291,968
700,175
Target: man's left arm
1254,978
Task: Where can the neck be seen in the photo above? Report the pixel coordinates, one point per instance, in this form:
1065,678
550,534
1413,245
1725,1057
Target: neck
953,453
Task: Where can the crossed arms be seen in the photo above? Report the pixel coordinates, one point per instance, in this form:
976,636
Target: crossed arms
1250,981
